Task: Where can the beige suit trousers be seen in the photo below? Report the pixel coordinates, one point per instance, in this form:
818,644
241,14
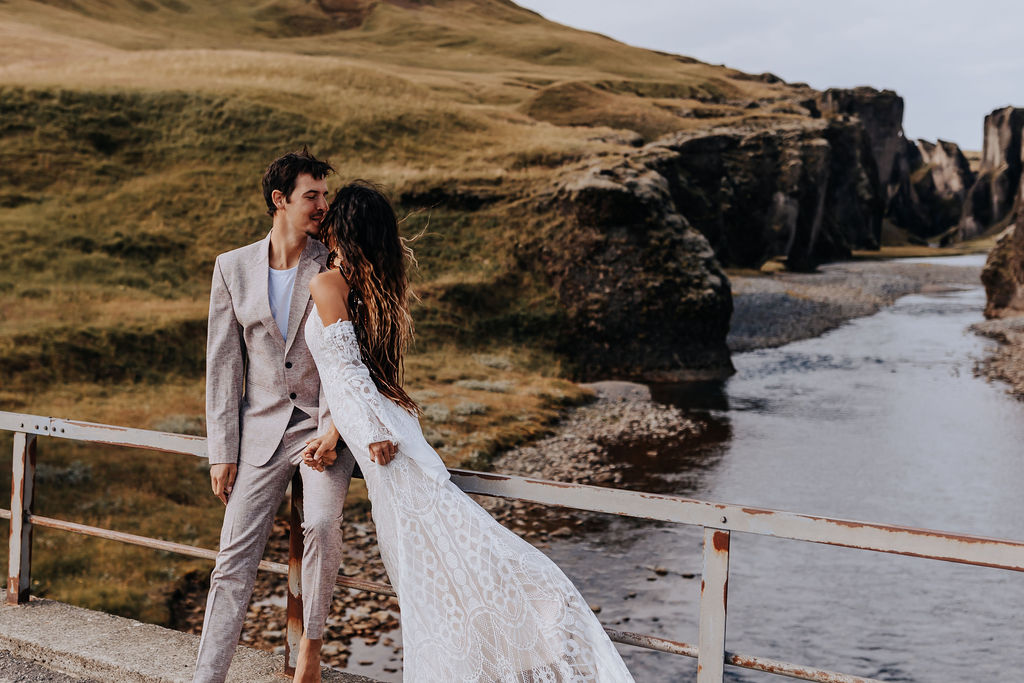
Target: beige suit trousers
248,519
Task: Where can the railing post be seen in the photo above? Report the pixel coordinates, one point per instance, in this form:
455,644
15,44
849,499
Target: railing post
19,557
294,629
714,594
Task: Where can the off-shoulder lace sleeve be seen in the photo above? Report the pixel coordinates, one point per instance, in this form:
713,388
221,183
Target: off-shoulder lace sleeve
348,379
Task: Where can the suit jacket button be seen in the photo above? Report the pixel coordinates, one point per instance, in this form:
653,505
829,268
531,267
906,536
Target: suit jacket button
288,364
292,395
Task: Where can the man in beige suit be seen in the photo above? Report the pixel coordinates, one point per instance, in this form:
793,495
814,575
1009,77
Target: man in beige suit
264,404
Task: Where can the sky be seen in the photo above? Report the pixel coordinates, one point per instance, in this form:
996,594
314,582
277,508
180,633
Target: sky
952,61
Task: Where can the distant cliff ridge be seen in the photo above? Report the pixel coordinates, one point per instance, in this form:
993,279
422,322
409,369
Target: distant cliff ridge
812,188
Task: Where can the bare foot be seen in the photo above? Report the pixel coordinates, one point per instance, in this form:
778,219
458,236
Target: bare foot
307,668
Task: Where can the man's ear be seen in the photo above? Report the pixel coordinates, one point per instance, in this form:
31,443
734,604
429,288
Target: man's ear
278,198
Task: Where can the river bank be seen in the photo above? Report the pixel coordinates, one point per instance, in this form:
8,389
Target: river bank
1006,362
776,309
780,308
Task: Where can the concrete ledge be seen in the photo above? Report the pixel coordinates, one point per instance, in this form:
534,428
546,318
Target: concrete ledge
96,645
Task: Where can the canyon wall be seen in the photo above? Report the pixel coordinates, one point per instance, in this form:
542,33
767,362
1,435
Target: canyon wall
991,200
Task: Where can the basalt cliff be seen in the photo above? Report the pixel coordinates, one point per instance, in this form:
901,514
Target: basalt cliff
997,200
637,238
992,199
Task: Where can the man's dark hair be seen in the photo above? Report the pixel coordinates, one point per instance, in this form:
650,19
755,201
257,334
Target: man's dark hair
283,171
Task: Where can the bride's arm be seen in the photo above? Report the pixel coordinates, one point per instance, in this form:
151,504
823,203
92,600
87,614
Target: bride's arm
330,294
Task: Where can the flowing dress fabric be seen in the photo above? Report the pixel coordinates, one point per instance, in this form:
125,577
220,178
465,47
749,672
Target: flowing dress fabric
478,603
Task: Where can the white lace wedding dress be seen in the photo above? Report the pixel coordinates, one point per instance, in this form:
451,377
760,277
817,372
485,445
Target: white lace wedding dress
478,603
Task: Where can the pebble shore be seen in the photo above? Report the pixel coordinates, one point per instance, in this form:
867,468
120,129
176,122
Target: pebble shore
1006,363
777,309
579,452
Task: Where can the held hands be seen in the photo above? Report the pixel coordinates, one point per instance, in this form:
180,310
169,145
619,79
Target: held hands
383,452
222,478
320,450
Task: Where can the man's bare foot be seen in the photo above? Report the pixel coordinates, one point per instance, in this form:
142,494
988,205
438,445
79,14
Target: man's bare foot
307,668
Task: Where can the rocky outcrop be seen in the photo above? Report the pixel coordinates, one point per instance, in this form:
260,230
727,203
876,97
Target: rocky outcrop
880,112
949,173
923,185
642,294
1003,278
991,199
806,193
930,199
1003,275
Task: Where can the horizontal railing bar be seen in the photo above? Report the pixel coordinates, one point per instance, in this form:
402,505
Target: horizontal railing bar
188,550
937,545
961,548
652,642
804,673
674,647
104,434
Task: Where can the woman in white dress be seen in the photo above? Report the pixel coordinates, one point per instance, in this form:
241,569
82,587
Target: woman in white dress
477,602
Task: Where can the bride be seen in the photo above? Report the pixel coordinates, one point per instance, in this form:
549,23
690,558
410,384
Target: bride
478,603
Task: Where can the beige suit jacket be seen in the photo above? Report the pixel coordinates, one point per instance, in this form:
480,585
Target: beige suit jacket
254,379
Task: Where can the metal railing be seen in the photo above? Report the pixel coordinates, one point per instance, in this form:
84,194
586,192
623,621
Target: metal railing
718,520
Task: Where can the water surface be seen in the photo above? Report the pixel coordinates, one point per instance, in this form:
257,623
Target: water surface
881,420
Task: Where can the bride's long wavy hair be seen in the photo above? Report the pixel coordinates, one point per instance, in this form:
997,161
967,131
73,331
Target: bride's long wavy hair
361,231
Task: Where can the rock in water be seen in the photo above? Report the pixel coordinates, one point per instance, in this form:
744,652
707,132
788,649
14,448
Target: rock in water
1003,275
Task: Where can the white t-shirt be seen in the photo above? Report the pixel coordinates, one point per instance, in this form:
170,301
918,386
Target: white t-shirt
280,286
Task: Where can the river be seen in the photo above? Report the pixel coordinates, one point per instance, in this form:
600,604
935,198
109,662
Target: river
881,420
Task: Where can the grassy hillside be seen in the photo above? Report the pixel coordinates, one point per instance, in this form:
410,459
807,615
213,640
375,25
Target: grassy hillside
132,137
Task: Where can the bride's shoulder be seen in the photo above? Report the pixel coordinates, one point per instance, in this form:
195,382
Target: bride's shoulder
330,295
328,283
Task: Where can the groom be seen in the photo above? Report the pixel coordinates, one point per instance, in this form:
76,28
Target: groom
264,404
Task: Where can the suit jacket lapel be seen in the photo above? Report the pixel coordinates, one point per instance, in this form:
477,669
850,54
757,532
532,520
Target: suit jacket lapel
310,263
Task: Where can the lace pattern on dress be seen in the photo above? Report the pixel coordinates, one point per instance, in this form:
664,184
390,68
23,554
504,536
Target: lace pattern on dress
479,604
347,374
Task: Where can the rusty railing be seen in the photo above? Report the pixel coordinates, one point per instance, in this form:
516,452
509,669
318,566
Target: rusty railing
718,520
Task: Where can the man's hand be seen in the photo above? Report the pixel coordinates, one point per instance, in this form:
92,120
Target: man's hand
222,477
383,452
320,450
